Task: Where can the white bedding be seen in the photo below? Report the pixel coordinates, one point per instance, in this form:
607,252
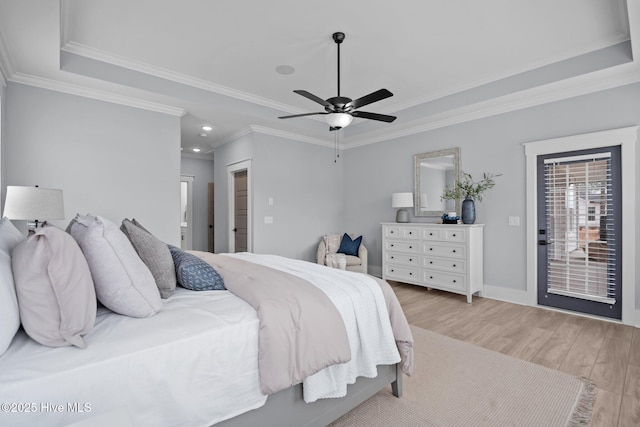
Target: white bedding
361,304
176,375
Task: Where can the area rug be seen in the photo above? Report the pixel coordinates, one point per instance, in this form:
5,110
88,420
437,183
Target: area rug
459,384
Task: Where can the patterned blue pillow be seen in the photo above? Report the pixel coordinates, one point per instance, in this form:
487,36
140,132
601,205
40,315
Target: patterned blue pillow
348,246
194,273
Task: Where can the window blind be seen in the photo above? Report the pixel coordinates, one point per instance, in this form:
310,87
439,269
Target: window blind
579,220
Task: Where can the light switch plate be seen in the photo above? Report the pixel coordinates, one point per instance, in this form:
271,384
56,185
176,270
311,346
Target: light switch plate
514,220
268,220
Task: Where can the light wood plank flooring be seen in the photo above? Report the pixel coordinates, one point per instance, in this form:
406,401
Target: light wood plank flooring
607,353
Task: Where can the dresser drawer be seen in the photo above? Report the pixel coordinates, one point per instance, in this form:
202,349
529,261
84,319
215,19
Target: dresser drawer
440,250
402,246
402,273
451,265
444,280
400,258
402,232
444,234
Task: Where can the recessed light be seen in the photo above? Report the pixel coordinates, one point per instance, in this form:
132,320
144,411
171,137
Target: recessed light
207,128
285,69
197,150
204,135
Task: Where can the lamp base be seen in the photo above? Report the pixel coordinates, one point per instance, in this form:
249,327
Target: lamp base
402,215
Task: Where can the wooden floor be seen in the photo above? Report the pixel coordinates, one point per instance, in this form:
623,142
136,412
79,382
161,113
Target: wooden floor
606,352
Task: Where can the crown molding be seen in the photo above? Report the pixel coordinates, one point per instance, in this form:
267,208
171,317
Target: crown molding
201,156
100,95
609,78
6,65
119,61
291,135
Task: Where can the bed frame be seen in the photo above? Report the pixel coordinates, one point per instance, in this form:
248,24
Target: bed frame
287,407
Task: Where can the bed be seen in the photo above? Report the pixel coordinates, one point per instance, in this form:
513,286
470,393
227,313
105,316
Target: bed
200,360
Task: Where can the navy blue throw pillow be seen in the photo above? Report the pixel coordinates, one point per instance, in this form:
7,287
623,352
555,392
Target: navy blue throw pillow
348,246
194,273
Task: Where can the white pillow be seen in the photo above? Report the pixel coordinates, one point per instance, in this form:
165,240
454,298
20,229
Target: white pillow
55,292
123,282
9,312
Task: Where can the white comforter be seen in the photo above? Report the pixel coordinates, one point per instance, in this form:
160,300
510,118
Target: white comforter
363,309
192,364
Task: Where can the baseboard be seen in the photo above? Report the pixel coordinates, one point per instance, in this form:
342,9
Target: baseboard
516,296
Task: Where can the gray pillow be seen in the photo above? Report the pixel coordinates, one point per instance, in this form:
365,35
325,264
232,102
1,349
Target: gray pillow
195,273
55,292
155,254
9,312
123,283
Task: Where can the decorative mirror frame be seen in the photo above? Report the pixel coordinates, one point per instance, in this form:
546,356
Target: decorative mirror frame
418,158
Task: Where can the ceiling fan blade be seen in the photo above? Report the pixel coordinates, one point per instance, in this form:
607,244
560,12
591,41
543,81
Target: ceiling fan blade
368,99
301,115
373,116
314,98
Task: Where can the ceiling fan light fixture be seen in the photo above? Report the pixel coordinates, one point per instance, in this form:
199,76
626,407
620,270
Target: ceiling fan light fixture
338,120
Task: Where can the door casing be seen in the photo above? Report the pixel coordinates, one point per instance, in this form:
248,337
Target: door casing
626,138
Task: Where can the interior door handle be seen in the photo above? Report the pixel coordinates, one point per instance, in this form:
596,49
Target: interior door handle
542,242
235,230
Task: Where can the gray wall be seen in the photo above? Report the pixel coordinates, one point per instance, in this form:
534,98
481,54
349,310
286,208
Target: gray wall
110,160
491,144
202,171
306,187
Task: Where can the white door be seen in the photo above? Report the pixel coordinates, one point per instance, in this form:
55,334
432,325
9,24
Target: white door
186,212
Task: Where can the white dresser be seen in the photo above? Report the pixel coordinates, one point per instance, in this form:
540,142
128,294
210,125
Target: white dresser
447,257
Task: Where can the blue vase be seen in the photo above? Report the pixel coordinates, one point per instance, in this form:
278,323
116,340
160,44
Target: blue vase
468,211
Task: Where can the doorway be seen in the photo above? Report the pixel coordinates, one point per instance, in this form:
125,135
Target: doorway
186,212
239,200
579,230
625,139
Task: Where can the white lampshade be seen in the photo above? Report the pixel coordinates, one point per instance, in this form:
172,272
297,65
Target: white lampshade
338,120
402,200
33,203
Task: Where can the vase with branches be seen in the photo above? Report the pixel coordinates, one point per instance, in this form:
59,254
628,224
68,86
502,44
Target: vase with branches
469,190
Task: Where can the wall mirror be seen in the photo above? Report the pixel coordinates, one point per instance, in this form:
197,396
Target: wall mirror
433,171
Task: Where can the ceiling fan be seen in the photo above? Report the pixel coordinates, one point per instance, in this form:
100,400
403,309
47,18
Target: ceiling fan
340,110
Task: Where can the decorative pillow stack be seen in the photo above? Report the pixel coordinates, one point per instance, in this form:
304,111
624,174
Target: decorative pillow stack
122,281
9,311
349,246
55,292
194,273
155,254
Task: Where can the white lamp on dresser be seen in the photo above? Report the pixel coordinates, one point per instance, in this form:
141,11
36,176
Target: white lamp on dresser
446,257
402,201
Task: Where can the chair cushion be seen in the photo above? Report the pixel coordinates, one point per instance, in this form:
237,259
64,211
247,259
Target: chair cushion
123,282
155,254
349,246
9,312
353,260
55,291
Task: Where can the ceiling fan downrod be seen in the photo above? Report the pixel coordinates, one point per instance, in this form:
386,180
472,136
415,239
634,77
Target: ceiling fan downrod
338,38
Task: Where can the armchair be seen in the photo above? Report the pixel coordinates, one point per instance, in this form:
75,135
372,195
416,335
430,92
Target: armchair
330,243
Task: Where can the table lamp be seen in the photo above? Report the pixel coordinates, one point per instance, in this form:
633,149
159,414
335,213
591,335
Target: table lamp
33,204
402,201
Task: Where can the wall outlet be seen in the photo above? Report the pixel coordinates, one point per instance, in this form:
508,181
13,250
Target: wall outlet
514,220
270,200
268,220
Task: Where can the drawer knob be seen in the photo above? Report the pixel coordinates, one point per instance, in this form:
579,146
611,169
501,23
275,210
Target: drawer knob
430,277
410,259
391,232
392,245
430,262
410,232
394,258
392,270
410,274
454,234
453,264
410,247
430,249
430,234
454,280
454,251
